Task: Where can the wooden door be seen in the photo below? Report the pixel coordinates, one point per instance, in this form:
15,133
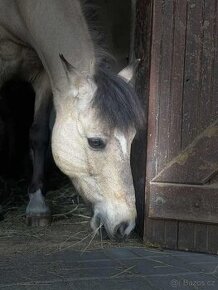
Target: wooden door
182,155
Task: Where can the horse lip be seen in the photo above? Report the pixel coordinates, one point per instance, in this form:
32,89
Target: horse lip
98,221
112,234
95,222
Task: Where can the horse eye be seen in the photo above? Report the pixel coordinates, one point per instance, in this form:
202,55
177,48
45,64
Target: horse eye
96,143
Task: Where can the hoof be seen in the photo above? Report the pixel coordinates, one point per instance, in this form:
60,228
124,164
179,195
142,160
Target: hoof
37,212
38,221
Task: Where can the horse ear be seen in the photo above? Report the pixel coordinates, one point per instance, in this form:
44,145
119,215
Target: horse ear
69,68
74,77
128,72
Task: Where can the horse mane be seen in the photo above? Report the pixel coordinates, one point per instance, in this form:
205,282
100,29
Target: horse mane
91,13
116,101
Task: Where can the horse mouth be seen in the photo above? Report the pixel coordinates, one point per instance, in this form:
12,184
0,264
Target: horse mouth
119,233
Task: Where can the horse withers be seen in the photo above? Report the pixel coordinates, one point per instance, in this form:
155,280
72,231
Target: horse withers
49,43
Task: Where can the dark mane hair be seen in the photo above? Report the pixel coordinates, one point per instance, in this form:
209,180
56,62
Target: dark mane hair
116,101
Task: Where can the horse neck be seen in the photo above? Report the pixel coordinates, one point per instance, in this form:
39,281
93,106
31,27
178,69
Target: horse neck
57,26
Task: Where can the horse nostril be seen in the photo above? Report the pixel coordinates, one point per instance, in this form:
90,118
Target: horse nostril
119,232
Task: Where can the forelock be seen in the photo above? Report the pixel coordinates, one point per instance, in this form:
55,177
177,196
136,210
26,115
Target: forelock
116,102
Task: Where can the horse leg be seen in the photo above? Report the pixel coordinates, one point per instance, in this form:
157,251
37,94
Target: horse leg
37,212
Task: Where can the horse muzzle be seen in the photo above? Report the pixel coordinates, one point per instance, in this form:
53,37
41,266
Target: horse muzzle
115,231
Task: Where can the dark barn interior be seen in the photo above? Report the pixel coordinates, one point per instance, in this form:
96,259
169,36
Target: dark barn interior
16,116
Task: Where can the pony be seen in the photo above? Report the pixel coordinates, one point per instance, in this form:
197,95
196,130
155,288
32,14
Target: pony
97,113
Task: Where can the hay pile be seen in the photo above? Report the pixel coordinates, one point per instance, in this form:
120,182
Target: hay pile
69,228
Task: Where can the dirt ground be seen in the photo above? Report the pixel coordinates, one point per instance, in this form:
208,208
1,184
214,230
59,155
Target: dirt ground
69,228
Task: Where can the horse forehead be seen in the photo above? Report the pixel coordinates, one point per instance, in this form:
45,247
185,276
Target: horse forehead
122,139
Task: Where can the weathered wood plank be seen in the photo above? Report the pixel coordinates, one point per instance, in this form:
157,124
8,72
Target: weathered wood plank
155,232
186,236
201,237
197,163
165,76
154,91
206,100
151,161
184,202
171,234
212,239
214,102
158,231
192,80
177,79
148,225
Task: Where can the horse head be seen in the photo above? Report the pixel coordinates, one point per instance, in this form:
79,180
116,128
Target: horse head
96,121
